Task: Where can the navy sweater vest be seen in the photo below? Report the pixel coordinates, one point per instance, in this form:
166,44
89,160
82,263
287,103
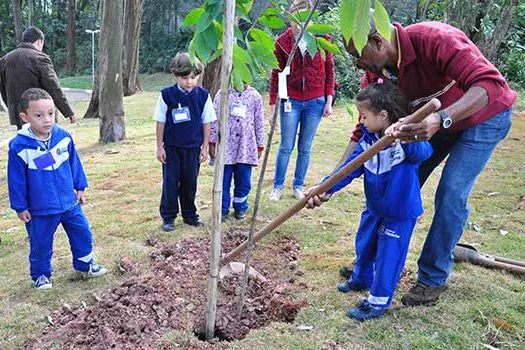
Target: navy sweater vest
187,134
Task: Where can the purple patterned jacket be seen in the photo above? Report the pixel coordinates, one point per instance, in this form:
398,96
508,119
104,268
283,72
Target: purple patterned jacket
245,134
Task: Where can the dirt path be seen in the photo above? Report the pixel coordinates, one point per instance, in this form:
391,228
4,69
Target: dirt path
172,296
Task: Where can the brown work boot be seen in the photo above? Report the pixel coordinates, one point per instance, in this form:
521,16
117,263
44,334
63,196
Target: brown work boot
421,294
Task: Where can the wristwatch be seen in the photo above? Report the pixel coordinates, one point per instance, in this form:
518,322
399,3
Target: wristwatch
446,121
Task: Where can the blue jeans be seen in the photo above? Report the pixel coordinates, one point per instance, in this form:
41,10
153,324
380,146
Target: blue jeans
305,116
242,178
466,159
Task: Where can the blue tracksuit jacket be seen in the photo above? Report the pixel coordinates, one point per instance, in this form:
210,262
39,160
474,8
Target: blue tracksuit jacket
44,175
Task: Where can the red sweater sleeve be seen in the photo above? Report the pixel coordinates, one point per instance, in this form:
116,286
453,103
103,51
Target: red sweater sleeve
282,57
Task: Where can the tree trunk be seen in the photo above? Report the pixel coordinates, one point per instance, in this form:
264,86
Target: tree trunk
130,61
490,46
71,36
211,79
31,12
93,108
18,20
112,127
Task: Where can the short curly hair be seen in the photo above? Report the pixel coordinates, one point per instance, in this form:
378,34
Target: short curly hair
181,65
33,94
384,95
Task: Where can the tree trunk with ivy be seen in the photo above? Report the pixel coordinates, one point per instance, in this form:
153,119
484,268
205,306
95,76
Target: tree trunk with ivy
130,61
71,36
112,126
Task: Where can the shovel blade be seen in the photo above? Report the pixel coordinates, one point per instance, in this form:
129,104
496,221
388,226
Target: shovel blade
234,267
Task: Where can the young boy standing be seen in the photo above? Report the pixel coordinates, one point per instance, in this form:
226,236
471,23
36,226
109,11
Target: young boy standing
46,188
184,114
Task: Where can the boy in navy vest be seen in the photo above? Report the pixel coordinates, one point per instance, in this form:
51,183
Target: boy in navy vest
46,188
184,114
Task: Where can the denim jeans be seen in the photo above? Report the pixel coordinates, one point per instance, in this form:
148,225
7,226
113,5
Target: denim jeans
305,117
467,158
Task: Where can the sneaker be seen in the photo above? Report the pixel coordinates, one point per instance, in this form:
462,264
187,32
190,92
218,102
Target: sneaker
346,271
350,285
298,193
364,311
240,214
276,194
95,270
42,282
197,222
168,226
421,294
224,217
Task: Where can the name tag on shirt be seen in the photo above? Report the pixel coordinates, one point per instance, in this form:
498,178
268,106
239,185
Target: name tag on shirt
181,115
44,161
287,107
238,110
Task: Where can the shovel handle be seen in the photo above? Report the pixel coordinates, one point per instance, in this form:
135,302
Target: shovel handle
416,117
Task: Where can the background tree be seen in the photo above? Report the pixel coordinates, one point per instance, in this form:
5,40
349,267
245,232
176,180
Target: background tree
112,127
30,12
130,61
71,36
18,20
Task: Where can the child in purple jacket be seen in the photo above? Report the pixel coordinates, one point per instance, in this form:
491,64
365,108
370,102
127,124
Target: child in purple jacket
245,142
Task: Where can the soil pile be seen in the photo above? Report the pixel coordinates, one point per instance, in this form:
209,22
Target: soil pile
172,296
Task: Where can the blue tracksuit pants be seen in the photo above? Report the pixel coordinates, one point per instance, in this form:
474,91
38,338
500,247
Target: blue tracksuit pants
179,183
242,177
41,230
381,248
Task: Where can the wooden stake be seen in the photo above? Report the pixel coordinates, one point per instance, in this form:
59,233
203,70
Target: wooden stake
215,246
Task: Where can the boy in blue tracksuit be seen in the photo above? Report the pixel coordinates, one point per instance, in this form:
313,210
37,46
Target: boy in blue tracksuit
184,114
46,188
393,201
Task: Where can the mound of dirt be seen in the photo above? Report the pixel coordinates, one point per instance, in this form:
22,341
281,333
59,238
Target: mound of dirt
172,296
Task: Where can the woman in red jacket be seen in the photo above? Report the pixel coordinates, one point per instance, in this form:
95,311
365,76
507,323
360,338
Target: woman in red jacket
310,89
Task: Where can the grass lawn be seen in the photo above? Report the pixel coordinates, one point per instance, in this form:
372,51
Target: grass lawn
481,309
148,82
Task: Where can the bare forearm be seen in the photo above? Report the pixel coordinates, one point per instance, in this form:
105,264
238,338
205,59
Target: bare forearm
206,128
348,151
160,134
471,102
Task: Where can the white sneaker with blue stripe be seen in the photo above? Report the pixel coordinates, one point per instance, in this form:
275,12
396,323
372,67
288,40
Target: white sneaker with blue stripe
95,270
42,282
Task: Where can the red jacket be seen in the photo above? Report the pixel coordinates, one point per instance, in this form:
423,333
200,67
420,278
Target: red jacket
309,78
432,55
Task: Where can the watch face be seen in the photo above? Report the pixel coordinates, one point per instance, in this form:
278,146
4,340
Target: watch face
447,123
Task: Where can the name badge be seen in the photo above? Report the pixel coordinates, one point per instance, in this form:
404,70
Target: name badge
44,161
287,107
238,110
181,115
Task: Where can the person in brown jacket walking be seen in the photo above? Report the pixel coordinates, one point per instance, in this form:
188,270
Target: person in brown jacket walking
28,67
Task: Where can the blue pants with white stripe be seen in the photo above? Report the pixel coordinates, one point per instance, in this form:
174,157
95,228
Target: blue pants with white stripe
242,177
41,230
381,248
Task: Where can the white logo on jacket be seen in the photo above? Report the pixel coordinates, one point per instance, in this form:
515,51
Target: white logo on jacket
387,158
59,153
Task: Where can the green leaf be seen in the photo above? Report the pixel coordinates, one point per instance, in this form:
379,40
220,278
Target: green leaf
191,51
272,22
241,12
321,29
311,44
382,20
204,22
262,54
271,12
240,54
263,38
243,70
201,48
237,82
327,45
211,35
362,25
350,110
347,14
302,16
238,34
192,17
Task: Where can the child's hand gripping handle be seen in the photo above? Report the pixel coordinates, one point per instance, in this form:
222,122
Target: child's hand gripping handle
427,109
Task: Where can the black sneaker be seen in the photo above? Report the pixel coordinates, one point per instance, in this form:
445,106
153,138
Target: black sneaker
168,226
240,214
197,222
421,294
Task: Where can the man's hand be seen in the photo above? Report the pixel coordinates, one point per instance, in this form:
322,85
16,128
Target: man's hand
327,111
161,155
421,131
25,216
204,153
73,119
80,197
318,200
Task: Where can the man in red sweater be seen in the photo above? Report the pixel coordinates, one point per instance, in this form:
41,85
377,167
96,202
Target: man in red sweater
425,60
